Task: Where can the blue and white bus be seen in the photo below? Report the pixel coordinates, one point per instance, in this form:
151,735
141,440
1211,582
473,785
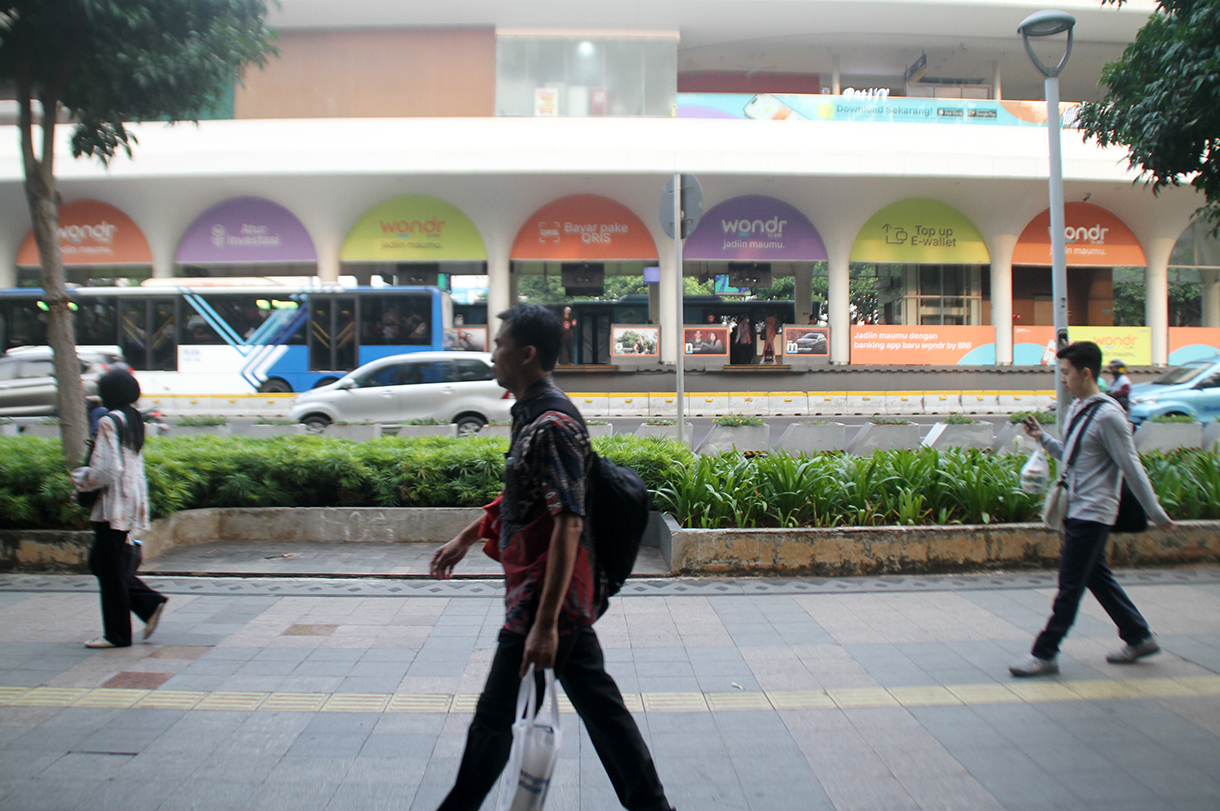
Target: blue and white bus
219,336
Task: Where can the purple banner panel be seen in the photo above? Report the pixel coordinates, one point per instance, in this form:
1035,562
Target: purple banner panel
755,228
246,231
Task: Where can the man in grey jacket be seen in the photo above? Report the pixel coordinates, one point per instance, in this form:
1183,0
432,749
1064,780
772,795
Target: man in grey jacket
1107,455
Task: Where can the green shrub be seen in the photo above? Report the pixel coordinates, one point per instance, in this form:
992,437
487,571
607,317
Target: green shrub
960,419
879,420
1043,417
596,422
426,421
34,487
815,422
737,420
660,421
200,421
1173,418
274,421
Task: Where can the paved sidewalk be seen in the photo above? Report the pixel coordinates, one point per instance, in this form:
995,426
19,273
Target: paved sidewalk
877,693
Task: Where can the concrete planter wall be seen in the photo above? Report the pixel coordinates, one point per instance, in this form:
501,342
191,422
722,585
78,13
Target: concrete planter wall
875,437
726,438
1211,435
356,433
427,430
505,431
263,431
45,550
911,550
1168,436
600,430
956,435
664,431
811,439
42,429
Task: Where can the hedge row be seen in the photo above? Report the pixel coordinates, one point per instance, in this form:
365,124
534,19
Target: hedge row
771,490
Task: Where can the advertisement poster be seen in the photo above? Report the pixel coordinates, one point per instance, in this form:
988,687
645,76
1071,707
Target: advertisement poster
1192,343
755,228
1093,238
466,339
706,341
813,341
922,346
92,233
413,228
918,230
636,341
246,231
1035,346
583,227
870,108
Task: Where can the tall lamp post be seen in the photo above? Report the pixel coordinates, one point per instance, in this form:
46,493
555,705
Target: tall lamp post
1047,24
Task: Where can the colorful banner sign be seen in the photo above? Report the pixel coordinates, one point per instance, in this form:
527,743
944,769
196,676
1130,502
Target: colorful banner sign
635,341
755,228
1095,238
246,231
414,228
920,230
922,346
1035,346
1193,343
706,341
870,109
811,341
584,228
92,233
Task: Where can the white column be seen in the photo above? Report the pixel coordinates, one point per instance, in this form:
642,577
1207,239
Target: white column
839,304
802,294
1002,247
1211,297
8,267
329,245
162,260
500,288
1156,285
666,293
996,92
835,78
654,303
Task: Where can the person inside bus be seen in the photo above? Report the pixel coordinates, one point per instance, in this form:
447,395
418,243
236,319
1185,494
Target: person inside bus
743,342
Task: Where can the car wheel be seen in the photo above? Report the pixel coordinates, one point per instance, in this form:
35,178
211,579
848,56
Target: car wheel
325,381
469,425
316,423
275,386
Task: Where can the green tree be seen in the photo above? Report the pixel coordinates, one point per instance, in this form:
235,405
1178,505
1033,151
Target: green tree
1163,100
109,62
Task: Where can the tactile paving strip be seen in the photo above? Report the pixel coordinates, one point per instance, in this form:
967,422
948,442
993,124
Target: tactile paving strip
1034,692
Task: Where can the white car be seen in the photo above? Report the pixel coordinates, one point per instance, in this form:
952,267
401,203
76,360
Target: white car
27,377
456,387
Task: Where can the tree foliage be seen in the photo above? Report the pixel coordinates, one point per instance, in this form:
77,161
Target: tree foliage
1163,100
108,63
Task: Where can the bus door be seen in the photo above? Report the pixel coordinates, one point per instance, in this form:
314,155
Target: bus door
148,334
332,333
593,335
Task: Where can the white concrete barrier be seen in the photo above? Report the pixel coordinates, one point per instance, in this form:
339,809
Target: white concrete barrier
788,404
754,403
865,402
827,403
707,404
903,403
627,404
942,402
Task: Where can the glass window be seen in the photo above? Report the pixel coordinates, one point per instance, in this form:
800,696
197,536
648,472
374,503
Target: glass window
37,368
96,321
389,375
586,75
402,320
428,371
470,369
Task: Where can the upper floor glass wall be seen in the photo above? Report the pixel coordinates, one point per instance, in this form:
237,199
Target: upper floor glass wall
584,75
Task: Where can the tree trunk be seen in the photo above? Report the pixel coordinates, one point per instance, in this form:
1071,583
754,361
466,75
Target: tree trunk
43,201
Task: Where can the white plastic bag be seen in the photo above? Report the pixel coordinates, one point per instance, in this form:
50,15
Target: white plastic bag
1036,473
536,740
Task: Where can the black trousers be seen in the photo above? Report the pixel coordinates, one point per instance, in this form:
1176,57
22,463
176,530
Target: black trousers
580,668
111,561
1082,564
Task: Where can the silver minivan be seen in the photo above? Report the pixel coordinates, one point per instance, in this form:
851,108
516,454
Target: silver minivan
27,378
455,387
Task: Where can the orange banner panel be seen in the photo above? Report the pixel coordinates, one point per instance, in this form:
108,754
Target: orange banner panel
92,233
584,228
1095,238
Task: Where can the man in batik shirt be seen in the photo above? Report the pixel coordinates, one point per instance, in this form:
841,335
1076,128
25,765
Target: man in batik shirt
537,532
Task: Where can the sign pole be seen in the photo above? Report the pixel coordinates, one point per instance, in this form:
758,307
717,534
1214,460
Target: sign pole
678,332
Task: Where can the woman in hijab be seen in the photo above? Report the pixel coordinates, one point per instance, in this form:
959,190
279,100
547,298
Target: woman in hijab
116,468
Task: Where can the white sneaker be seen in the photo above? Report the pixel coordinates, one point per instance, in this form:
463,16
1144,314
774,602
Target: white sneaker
100,642
1129,654
1034,666
151,625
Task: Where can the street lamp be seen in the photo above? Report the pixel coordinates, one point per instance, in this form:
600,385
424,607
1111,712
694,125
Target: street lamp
1047,24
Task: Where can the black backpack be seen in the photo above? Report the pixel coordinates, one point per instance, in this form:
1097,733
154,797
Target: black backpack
618,505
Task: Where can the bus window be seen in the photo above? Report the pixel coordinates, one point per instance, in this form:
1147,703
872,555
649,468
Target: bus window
162,343
27,324
398,320
332,334
96,321
133,324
